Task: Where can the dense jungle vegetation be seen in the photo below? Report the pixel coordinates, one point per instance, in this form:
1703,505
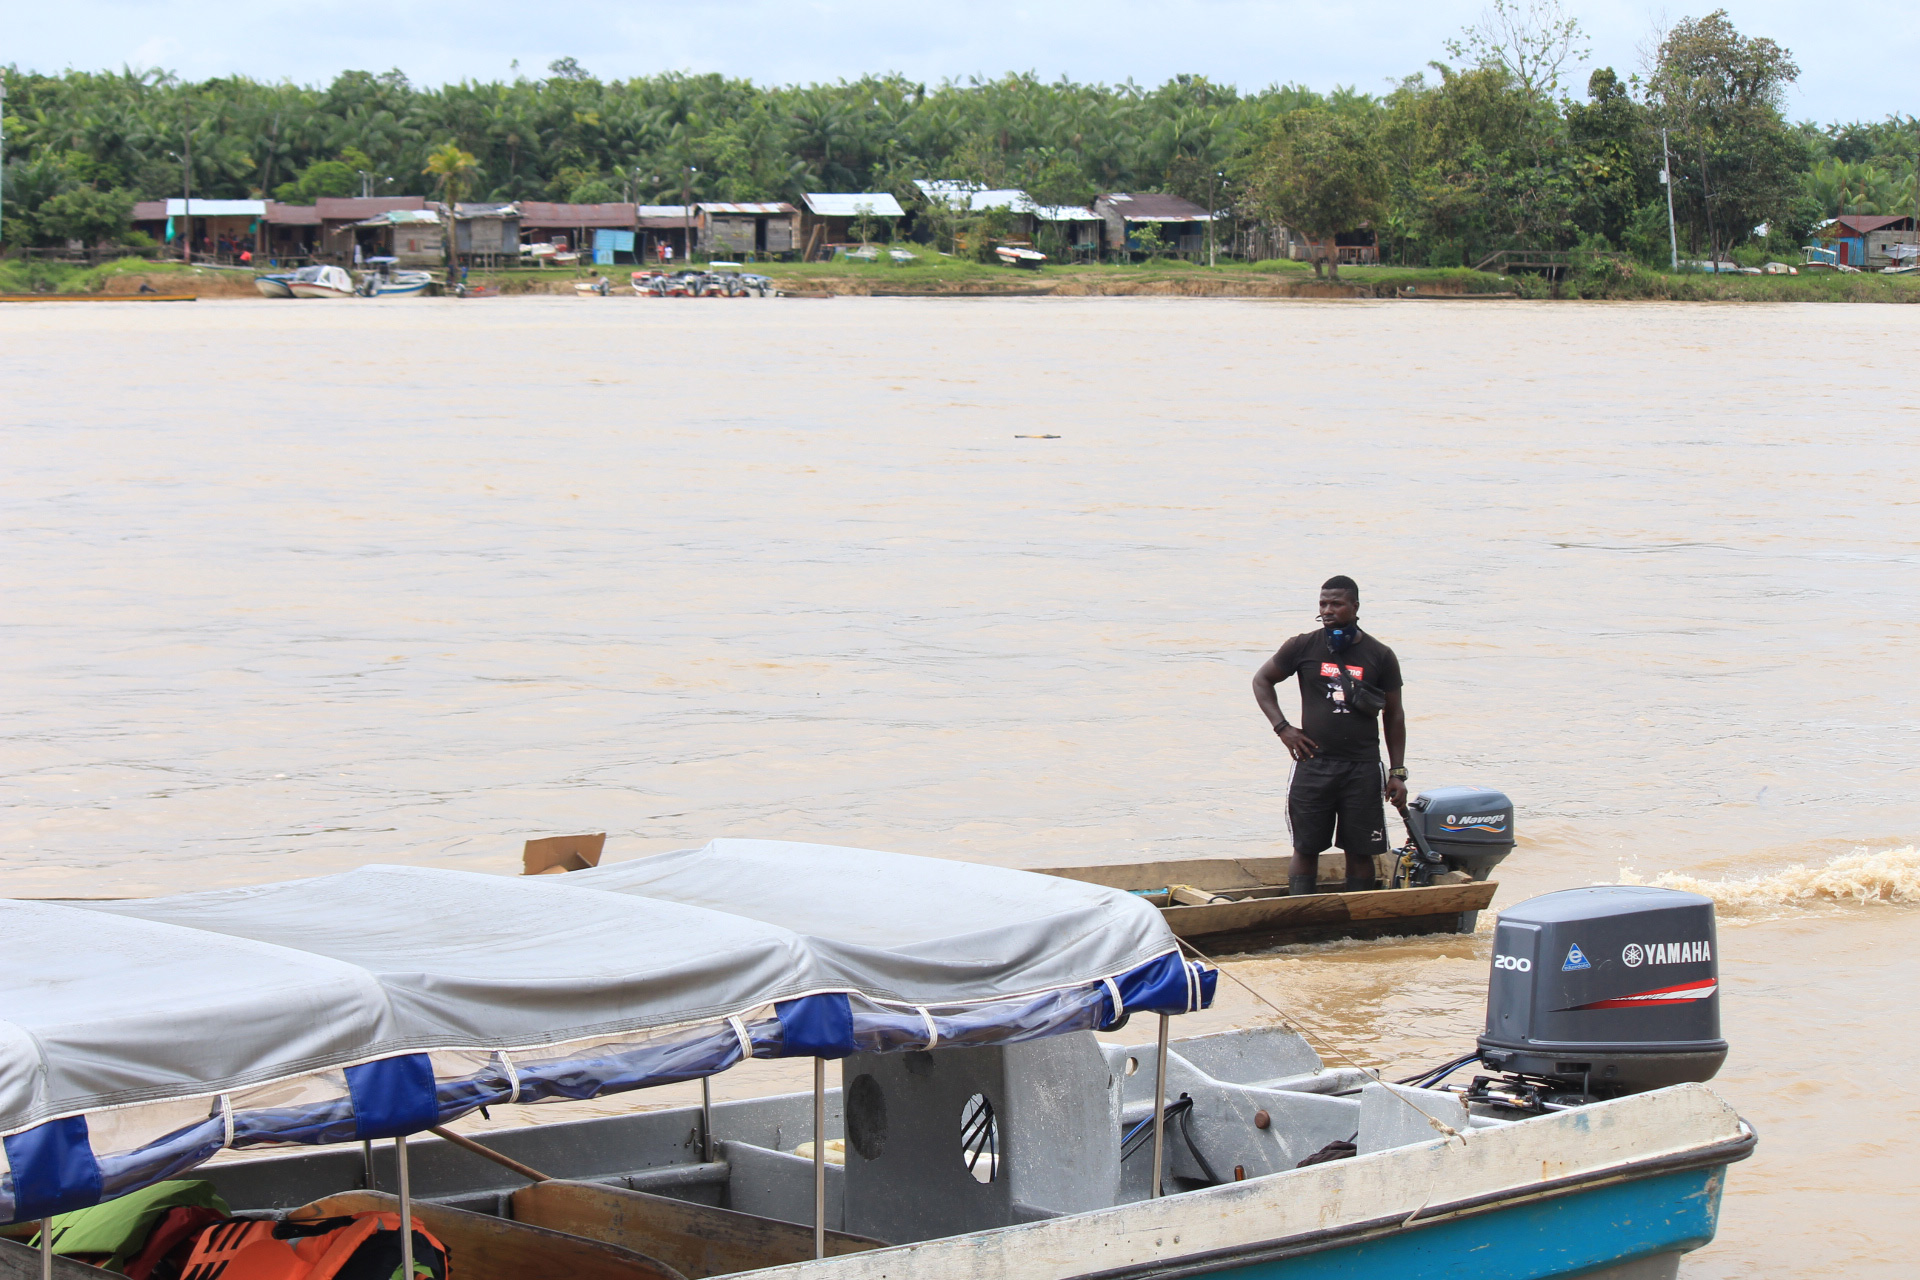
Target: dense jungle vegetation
1486,148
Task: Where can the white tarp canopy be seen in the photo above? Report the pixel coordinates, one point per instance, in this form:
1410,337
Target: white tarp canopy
110,1003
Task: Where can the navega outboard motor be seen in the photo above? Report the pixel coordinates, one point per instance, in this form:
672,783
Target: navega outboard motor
1465,829
1601,992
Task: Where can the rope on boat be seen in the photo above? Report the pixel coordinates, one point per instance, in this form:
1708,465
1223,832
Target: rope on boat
1292,1023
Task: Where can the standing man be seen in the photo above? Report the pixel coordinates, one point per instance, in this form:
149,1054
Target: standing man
1349,683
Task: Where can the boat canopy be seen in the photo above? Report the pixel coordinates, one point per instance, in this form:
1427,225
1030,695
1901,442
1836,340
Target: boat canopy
141,1037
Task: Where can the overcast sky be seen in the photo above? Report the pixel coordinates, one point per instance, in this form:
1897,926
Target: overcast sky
1856,64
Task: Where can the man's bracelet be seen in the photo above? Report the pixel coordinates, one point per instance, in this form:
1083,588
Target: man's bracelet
1400,773
1281,728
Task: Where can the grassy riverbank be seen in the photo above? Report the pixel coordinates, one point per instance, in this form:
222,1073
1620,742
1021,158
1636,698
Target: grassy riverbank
932,276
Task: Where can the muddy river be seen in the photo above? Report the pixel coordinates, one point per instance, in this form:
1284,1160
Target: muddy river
296,586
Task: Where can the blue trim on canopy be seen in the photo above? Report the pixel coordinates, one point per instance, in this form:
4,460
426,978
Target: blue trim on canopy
53,1169
816,1026
1165,985
393,1096
400,1095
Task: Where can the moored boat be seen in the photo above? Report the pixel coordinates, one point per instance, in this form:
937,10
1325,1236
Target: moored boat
987,1131
1014,255
278,285
400,284
321,282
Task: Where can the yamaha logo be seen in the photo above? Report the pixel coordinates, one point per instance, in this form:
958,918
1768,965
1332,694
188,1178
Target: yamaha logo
1632,956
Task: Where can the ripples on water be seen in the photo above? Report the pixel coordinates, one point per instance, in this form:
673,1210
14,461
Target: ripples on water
296,587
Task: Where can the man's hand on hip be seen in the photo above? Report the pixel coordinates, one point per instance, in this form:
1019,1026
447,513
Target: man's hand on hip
1298,744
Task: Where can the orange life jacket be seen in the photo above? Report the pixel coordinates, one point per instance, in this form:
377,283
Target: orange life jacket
363,1246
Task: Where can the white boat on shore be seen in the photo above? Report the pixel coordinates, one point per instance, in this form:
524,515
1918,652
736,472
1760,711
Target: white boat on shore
986,1133
321,282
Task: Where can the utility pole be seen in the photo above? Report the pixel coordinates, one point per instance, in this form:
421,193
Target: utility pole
1666,180
186,195
686,212
3,152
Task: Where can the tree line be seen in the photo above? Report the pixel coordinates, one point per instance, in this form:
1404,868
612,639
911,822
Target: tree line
1485,149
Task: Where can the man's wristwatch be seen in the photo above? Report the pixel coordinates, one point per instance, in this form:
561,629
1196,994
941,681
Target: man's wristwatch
1400,773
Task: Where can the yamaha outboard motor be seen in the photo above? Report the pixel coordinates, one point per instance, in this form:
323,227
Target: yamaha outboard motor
1467,829
1600,992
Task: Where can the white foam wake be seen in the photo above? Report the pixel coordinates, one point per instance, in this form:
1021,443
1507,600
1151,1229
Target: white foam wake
1863,877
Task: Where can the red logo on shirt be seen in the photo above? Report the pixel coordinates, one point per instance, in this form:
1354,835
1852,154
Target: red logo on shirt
1332,669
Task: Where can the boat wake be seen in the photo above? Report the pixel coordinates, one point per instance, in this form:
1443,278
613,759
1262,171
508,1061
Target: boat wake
1862,878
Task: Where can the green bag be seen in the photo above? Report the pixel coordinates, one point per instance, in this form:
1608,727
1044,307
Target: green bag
118,1229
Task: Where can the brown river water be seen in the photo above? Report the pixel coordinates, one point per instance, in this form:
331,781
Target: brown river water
292,587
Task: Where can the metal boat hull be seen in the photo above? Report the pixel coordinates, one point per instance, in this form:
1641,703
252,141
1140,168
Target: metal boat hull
272,287
302,289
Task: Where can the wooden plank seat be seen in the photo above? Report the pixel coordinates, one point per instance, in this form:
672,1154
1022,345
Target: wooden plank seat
695,1239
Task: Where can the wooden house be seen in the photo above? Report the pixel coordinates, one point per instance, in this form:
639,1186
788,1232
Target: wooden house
768,228
487,234
1180,223
338,214
833,218
1864,240
572,224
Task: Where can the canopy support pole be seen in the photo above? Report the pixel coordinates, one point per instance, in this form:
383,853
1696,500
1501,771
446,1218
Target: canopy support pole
819,1157
406,1209
46,1249
366,1153
1160,1106
706,1119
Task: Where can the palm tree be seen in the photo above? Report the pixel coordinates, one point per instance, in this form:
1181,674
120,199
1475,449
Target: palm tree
452,167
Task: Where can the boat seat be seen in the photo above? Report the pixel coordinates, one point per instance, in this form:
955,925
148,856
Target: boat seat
483,1247
697,1240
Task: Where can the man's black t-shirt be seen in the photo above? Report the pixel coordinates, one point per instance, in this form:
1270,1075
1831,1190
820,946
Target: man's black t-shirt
1343,734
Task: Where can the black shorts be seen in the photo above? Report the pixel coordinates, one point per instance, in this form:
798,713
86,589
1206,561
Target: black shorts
1337,802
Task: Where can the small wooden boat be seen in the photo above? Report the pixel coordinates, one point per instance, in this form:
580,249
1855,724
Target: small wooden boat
96,297
1019,256
1241,904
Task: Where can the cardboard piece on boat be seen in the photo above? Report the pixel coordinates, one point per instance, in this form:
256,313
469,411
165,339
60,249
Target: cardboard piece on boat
562,853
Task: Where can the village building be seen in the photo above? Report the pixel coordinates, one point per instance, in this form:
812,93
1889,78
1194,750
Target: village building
1181,224
831,219
338,214
662,227
1865,241
487,235
1074,227
405,237
729,230
573,225
968,197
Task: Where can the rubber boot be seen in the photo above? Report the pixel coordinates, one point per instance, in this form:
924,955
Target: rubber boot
1301,886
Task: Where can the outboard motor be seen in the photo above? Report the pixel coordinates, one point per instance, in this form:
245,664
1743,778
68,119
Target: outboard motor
1601,992
1465,829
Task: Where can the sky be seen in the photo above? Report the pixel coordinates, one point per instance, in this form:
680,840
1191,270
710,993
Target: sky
1862,68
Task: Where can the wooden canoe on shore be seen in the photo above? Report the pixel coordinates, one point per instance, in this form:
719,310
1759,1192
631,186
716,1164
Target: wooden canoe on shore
1241,904
96,297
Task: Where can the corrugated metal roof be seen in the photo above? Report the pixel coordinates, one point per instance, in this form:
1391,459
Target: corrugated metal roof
661,210
1065,213
1860,224
491,209
536,213
218,208
292,215
354,208
851,204
1152,206
149,210
764,208
974,198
